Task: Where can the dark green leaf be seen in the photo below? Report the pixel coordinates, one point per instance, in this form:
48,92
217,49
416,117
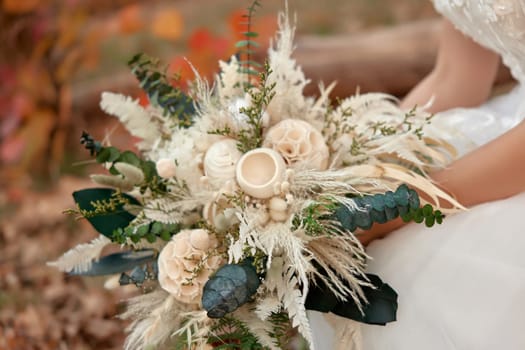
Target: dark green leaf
157,227
149,169
129,158
418,216
113,170
108,154
406,217
142,230
380,310
107,222
429,221
119,262
427,210
250,34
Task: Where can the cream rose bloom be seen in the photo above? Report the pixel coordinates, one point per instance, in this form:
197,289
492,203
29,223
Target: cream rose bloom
178,261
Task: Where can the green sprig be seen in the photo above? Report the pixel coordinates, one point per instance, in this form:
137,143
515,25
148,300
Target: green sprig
252,137
160,89
150,232
425,214
229,333
247,65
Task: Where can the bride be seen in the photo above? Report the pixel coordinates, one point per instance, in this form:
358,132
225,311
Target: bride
461,285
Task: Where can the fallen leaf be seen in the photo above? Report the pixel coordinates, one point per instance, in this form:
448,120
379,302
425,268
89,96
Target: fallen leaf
19,6
130,20
167,24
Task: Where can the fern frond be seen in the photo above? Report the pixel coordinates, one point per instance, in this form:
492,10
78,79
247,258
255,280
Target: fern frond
133,116
230,333
80,258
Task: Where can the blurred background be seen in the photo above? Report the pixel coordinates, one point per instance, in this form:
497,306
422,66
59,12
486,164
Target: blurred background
57,56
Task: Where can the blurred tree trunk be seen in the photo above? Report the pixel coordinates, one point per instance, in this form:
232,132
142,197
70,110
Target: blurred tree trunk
390,60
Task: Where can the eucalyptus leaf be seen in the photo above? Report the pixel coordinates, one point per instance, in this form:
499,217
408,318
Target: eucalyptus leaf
130,158
229,288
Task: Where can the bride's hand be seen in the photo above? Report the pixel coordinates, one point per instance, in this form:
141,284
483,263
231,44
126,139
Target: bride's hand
463,74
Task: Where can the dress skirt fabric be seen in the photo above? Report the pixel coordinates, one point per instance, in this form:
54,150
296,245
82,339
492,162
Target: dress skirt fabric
461,284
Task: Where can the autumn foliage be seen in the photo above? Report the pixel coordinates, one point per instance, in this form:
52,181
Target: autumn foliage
54,43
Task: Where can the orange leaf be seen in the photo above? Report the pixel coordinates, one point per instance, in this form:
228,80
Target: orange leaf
19,6
129,19
168,25
200,40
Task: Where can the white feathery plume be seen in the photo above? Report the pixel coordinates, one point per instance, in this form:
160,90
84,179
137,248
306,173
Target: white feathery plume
80,258
196,327
282,278
132,115
155,317
289,100
229,81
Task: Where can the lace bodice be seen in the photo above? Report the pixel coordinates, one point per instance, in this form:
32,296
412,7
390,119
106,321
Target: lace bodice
496,24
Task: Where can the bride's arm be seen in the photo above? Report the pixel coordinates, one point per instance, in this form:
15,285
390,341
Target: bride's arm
493,171
463,74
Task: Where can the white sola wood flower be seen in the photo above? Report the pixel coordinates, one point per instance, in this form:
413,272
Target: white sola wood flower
300,144
185,264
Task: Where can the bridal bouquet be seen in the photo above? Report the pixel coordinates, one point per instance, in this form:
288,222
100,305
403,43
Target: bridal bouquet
243,208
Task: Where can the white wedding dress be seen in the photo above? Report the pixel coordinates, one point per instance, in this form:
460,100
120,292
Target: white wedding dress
461,285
